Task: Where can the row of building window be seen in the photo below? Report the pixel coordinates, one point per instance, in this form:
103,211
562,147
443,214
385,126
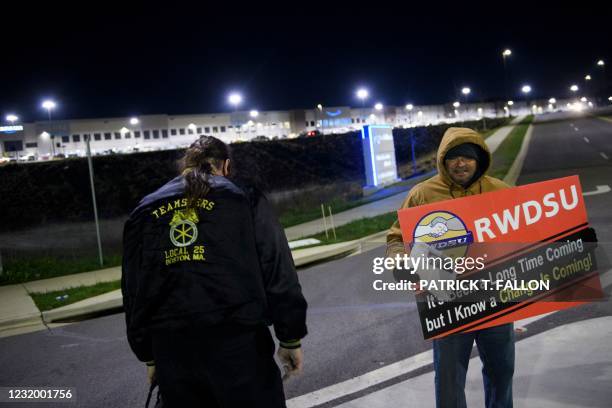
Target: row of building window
146,134
341,121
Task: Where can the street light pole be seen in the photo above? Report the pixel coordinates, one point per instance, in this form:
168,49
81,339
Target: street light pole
466,91
50,105
362,94
93,197
602,64
505,54
409,108
235,99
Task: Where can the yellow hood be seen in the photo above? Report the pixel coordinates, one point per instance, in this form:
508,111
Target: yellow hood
455,136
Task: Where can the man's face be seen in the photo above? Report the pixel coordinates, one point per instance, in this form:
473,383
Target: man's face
461,169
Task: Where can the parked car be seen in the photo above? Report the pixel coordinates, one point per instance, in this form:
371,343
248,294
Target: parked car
310,133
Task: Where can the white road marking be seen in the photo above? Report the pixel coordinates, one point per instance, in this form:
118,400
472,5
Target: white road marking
605,156
576,129
598,190
361,382
586,139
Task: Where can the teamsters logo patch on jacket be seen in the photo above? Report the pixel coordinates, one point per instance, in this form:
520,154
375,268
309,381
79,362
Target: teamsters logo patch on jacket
183,228
443,230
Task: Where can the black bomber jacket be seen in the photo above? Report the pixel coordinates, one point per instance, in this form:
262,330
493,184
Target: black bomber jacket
227,262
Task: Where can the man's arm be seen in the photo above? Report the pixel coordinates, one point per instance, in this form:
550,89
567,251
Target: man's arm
131,272
286,304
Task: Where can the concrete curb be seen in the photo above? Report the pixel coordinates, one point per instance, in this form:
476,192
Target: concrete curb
515,170
96,304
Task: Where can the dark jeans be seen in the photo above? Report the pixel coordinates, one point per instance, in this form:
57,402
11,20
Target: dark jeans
451,358
218,367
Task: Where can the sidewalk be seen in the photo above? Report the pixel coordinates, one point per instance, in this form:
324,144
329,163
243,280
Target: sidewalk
567,366
497,138
19,314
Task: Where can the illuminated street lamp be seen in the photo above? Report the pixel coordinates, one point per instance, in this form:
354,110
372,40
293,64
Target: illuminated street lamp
234,99
526,89
587,78
134,121
601,63
378,106
552,100
317,112
254,113
456,104
574,88
505,55
362,94
583,99
466,91
510,103
49,105
409,108
12,118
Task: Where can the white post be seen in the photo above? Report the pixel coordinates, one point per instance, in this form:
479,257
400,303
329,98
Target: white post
324,221
331,220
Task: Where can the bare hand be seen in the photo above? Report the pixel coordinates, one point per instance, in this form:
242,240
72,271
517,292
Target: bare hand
151,374
292,361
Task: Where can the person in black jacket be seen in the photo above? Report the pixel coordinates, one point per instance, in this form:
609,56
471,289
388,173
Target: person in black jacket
206,268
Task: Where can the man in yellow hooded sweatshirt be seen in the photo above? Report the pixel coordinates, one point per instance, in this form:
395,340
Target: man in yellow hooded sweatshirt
463,160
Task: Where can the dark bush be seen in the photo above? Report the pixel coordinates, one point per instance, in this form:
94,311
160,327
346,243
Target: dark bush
36,193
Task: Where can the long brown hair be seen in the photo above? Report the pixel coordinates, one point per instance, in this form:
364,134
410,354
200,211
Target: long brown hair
197,166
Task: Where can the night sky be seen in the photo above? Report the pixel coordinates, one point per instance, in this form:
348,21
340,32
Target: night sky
147,59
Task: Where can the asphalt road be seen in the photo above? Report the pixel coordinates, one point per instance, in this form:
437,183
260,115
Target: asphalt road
353,329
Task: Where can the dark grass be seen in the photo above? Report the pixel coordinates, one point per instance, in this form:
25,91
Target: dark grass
506,153
358,229
27,269
48,300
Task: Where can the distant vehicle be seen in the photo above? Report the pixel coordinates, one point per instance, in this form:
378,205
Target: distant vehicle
59,156
27,158
310,133
260,138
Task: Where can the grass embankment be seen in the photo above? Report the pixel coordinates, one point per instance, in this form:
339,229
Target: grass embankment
506,153
29,269
59,298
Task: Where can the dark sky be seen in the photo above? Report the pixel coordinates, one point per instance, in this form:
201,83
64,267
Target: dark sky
131,60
